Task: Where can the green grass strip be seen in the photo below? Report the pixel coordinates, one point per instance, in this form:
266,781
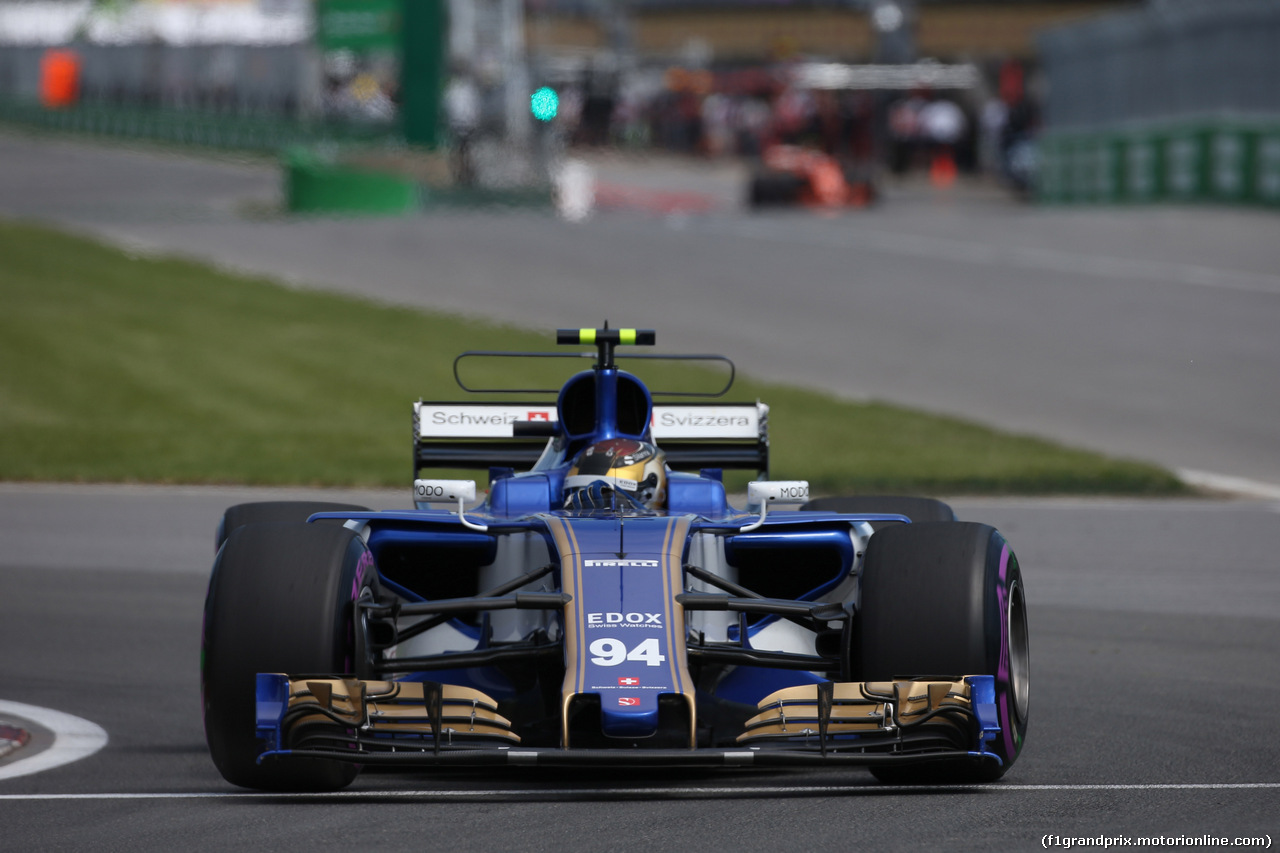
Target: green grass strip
118,368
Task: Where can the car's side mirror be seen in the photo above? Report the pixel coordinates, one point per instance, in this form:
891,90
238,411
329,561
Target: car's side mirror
763,493
447,491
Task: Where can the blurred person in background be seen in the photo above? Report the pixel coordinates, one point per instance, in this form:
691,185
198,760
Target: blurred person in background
943,126
717,131
462,111
991,123
794,116
905,134
752,126
1021,124
355,91
630,128
597,110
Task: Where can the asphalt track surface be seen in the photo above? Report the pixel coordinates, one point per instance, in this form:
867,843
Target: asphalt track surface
1154,631
1148,333
1154,624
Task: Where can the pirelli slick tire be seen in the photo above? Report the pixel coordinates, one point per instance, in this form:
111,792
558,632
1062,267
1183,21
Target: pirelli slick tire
280,600
916,509
947,598
263,512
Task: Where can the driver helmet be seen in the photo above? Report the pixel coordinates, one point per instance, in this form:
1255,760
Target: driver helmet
636,469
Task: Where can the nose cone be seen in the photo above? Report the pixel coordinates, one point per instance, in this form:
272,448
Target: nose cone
631,714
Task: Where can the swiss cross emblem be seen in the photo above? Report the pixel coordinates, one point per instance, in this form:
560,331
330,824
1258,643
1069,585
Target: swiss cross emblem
628,682
539,416
628,700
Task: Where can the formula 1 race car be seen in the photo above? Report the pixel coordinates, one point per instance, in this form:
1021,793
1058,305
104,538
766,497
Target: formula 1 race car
607,607
791,175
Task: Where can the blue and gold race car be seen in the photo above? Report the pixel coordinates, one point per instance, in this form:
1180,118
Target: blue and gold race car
605,605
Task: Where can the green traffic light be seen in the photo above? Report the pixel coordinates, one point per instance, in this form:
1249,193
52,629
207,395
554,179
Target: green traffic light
544,104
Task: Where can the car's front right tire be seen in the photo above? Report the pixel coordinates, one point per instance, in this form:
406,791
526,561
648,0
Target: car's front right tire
271,512
947,599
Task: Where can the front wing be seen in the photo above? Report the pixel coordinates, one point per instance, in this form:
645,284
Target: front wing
432,724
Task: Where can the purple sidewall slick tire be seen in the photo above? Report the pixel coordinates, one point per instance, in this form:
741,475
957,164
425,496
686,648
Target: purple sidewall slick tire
947,598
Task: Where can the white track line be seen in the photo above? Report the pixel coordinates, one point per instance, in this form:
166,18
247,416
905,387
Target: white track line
73,739
683,791
1233,485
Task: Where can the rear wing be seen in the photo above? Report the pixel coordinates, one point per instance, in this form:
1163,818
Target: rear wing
482,435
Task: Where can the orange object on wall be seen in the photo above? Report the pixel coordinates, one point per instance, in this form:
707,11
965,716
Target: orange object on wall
59,78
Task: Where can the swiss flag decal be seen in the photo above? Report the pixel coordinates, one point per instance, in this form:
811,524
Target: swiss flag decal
627,681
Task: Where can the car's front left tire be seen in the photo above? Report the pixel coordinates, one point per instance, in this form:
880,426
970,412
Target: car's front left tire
280,599
915,508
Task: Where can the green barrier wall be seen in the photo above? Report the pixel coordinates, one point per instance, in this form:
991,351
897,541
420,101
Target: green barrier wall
1231,154
314,185
1190,162
1266,166
1143,168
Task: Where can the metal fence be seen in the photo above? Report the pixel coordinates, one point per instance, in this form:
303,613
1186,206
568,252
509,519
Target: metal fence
1170,60
1179,101
270,80
193,127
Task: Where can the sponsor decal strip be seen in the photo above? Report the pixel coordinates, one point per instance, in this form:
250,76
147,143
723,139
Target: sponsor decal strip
575,628
570,611
735,422
670,564
579,680
495,420
673,579
475,420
